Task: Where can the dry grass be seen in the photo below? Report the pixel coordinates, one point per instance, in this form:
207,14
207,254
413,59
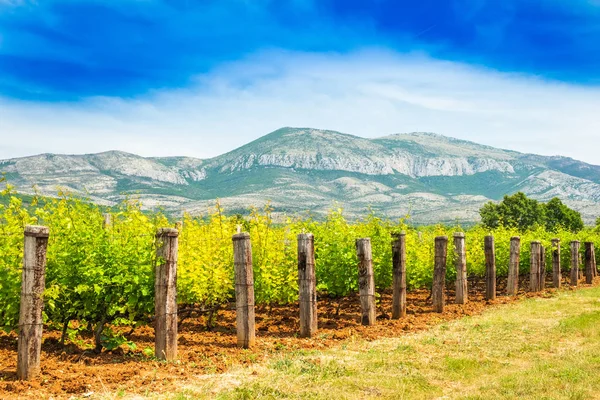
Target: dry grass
534,349
537,348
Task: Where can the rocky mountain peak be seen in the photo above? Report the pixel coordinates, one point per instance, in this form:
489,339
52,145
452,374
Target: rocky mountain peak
434,177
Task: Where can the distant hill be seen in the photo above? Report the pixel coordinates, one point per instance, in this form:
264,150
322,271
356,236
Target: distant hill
435,178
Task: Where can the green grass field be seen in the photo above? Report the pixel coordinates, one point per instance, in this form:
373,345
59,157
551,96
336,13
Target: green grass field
535,349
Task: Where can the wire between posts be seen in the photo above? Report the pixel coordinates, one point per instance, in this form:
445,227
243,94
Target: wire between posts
165,314
132,236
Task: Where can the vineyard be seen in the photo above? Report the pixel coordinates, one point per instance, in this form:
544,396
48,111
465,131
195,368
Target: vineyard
101,268
102,274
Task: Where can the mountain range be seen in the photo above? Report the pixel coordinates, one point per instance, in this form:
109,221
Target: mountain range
430,177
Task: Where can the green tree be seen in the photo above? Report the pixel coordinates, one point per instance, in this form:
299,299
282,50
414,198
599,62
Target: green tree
520,212
490,215
559,215
516,211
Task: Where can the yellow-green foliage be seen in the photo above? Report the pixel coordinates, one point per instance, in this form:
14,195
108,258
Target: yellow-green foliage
97,274
205,272
13,218
274,250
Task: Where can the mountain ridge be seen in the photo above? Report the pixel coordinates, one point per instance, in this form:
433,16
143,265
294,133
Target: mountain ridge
435,177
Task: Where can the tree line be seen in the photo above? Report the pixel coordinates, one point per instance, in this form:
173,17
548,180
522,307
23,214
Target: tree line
523,213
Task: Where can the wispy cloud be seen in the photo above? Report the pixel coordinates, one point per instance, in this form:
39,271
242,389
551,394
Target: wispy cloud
13,3
56,50
368,93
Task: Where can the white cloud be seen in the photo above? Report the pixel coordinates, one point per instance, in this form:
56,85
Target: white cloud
16,3
369,93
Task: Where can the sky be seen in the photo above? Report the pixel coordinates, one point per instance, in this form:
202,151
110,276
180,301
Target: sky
200,78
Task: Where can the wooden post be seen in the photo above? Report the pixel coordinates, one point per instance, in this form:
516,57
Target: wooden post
534,272
307,285
107,221
461,268
589,262
399,275
594,267
513,267
244,290
575,244
165,295
439,274
543,269
32,301
556,272
490,268
366,281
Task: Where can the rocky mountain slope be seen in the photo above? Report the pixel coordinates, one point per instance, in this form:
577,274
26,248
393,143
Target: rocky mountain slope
431,177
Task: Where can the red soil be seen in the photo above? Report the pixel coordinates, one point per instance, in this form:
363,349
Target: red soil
75,369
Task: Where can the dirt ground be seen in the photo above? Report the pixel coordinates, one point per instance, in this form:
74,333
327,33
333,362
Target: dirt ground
76,371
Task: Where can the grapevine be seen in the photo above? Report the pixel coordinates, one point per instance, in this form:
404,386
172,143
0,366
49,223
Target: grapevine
100,277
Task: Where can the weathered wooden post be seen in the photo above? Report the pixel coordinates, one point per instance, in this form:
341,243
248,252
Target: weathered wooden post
513,267
366,281
307,285
490,268
244,290
542,285
589,262
32,301
107,220
535,268
556,272
439,274
399,275
575,245
594,267
461,268
165,295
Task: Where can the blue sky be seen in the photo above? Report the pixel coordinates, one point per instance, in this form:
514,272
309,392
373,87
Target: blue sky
88,76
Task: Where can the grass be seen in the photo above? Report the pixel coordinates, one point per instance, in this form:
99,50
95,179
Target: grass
533,349
538,348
